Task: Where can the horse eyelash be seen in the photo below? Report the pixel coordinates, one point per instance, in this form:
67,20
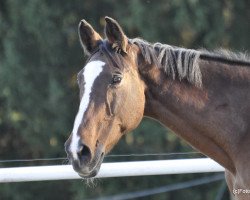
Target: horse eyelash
117,73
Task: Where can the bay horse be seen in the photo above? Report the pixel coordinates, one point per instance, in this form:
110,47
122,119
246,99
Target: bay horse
204,97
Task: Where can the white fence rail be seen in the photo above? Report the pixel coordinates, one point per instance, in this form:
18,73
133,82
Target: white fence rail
118,169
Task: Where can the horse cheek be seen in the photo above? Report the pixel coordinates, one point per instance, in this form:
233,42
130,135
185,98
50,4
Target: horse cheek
137,103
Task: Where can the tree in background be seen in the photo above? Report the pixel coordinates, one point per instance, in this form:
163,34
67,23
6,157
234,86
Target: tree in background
40,56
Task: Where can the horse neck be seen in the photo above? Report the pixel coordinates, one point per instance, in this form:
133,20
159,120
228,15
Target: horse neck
198,115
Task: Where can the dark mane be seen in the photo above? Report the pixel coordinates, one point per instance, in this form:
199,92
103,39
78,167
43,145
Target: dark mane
229,57
182,63
176,62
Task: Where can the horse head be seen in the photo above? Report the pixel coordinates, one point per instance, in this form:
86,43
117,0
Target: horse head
112,96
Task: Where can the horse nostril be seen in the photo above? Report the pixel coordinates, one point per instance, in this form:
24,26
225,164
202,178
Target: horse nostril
84,154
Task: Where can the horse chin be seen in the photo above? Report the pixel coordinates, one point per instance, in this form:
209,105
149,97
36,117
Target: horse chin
91,172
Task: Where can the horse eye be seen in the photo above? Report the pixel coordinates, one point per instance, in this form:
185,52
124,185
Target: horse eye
116,79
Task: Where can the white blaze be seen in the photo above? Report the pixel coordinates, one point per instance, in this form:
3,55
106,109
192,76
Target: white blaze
90,73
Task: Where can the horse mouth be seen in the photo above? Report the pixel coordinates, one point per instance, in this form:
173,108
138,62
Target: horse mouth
92,169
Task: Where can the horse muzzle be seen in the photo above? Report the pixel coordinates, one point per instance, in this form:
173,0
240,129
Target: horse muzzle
85,164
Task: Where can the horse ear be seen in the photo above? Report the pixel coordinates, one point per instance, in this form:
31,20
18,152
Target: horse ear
116,35
89,38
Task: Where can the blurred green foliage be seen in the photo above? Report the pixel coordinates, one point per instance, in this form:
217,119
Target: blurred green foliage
40,56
